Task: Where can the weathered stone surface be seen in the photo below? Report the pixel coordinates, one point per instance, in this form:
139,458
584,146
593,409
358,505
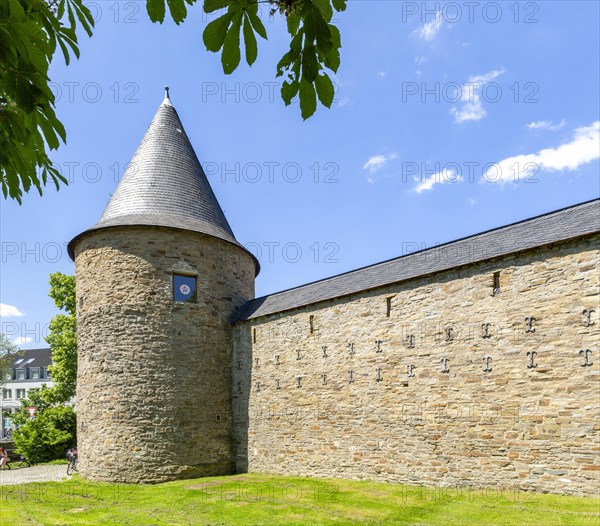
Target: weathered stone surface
153,387
358,411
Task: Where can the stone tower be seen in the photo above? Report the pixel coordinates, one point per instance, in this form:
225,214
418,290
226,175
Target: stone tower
159,279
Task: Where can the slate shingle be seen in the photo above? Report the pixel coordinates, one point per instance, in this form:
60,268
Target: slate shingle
165,185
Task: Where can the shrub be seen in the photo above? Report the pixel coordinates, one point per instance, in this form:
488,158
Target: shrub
47,436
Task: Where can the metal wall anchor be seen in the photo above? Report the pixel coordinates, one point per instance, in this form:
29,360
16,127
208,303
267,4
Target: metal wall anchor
350,377
325,355
410,370
532,364
276,359
444,362
298,381
485,330
486,362
324,377
378,345
529,321
351,348
587,317
410,341
586,357
449,334
256,361
298,357
257,386
277,386
378,378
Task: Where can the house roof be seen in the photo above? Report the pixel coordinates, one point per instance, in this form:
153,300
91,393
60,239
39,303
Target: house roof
32,358
165,185
560,225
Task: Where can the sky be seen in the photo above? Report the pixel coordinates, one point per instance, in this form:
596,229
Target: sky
450,118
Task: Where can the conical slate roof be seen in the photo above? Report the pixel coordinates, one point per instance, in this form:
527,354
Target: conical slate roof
165,185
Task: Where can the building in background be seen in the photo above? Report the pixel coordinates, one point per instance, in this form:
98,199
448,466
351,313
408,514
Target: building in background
28,371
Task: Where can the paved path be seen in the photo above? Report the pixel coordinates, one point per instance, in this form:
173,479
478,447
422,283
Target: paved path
33,474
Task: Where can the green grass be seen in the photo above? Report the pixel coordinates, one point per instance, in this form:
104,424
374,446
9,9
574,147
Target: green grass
272,500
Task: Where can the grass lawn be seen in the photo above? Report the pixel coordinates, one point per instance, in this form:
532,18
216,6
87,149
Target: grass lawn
273,500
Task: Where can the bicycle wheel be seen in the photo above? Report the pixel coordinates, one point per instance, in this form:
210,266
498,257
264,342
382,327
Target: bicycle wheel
70,467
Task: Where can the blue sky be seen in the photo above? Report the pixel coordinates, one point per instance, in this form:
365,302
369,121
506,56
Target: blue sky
448,120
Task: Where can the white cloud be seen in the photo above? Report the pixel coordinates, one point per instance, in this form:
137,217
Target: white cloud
9,311
546,125
381,74
443,177
471,106
22,340
429,30
377,162
582,149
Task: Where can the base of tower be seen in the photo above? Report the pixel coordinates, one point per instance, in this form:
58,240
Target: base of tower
156,475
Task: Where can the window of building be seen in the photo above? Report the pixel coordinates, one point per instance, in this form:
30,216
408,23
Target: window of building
20,393
18,362
41,372
7,394
35,373
496,284
184,288
21,374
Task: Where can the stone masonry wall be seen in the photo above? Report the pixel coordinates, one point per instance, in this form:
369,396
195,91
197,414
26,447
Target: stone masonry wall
153,387
367,396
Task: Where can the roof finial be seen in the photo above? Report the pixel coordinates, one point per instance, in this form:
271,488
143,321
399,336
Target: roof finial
167,92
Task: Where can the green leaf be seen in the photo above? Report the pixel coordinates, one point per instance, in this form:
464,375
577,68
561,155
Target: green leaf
332,59
215,5
289,91
215,32
250,42
325,89
296,43
231,46
257,23
49,134
339,5
322,33
308,99
336,39
178,10
325,8
293,23
310,64
156,10
84,16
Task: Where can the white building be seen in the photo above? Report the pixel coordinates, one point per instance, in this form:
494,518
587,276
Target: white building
28,371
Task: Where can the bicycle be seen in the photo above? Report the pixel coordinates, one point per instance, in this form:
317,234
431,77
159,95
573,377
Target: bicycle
23,462
72,458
